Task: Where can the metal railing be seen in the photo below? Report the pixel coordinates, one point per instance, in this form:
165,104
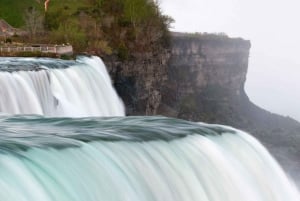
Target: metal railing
59,49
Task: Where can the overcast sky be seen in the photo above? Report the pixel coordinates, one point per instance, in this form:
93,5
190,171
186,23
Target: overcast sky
273,80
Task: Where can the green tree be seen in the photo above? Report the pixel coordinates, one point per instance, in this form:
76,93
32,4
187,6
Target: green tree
120,27
70,32
34,22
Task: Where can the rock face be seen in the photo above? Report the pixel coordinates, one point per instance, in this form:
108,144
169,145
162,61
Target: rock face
201,78
139,81
204,73
8,30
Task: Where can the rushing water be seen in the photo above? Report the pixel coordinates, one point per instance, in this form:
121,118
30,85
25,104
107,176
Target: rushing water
57,88
44,157
134,159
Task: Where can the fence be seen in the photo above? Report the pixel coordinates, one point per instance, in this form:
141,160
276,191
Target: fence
57,49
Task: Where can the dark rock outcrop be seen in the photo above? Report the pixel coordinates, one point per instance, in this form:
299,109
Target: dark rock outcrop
140,80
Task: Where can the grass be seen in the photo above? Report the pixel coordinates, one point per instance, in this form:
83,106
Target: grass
70,5
13,10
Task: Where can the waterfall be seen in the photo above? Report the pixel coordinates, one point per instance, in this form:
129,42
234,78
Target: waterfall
135,159
57,88
64,137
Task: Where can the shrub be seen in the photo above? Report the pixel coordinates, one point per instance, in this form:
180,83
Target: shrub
8,40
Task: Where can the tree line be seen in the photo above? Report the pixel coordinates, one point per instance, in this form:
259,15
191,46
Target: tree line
103,27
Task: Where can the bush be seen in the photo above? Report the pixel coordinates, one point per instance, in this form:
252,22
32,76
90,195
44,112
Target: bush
35,54
66,57
123,27
8,40
123,52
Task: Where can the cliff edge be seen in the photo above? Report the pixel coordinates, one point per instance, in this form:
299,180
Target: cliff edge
202,78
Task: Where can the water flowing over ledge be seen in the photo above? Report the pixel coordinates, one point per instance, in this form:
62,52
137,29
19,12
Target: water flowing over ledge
134,158
25,132
59,142
54,87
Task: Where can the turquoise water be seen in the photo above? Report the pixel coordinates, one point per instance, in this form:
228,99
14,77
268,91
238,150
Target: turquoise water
13,64
134,159
24,132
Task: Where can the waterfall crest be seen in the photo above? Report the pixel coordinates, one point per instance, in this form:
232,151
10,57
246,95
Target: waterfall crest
200,162
57,88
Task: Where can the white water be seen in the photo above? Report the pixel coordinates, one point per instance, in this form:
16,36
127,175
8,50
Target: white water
225,167
230,167
83,89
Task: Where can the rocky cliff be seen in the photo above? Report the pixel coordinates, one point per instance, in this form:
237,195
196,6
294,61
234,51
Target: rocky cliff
204,73
201,78
140,80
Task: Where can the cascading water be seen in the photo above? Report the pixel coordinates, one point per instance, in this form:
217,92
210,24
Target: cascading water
48,158
57,88
134,159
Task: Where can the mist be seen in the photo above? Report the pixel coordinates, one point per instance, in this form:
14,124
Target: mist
273,80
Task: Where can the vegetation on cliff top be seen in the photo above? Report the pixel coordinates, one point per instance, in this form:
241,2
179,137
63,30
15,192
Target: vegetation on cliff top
13,10
102,27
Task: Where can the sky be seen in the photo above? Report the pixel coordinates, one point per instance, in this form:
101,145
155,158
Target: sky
273,79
